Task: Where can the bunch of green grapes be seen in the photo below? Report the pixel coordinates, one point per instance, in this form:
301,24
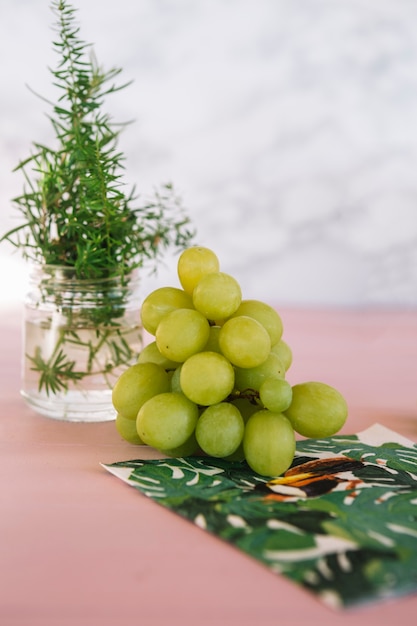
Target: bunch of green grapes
213,379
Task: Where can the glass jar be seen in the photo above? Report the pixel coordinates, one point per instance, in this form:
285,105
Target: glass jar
79,336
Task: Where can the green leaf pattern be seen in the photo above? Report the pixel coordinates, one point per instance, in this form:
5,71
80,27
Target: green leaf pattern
353,543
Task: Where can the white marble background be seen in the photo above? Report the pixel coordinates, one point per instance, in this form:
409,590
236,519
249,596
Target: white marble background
289,127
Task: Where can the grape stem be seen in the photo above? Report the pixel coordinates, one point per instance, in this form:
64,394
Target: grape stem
246,394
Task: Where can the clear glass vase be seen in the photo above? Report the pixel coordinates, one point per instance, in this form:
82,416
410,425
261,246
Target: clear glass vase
79,335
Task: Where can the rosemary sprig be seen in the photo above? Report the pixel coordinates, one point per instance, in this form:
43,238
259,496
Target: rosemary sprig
55,373
75,207
58,372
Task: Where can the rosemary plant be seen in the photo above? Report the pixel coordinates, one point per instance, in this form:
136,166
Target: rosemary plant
77,213
75,207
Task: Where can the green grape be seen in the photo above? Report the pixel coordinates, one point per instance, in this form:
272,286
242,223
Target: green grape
317,410
284,352
275,394
167,420
219,430
265,315
253,377
193,264
207,378
269,443
127,429
136,385
244,341
189,448
181,333
212,344
246,407
217,295
175,380
160,302
152,354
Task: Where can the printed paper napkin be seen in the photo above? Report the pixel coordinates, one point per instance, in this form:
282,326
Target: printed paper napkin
341,522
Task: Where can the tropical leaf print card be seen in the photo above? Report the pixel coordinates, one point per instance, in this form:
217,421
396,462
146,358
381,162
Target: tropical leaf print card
341,522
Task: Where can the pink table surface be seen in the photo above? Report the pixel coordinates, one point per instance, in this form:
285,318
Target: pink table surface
80,547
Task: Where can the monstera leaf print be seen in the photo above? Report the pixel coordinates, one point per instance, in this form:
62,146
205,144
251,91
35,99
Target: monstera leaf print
341,522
